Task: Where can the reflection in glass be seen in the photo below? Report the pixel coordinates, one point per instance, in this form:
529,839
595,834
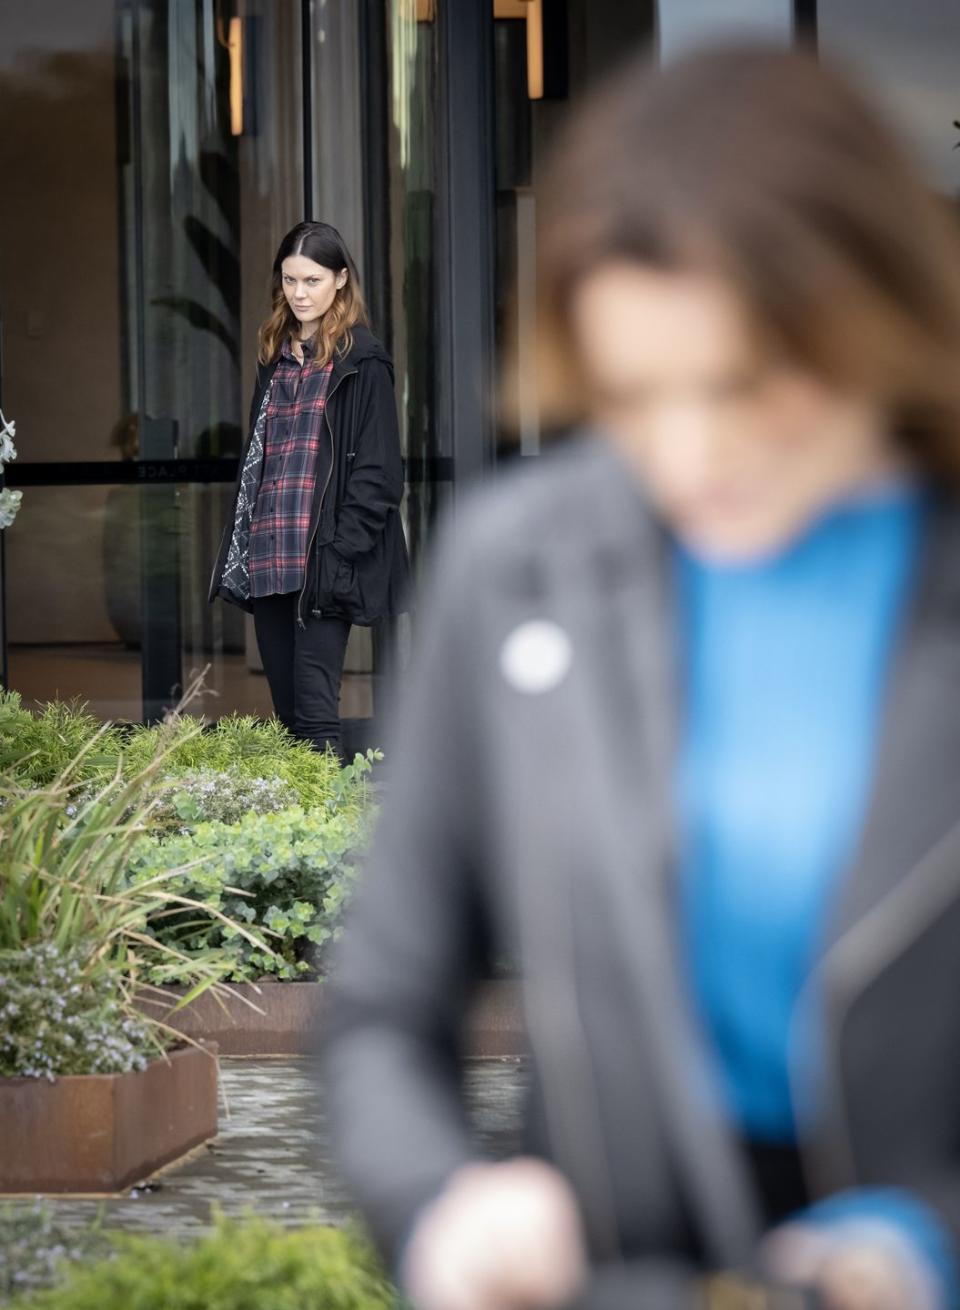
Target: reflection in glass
155,162
910,56
412,53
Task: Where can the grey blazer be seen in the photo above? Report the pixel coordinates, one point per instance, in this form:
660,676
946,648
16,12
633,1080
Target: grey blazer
527,813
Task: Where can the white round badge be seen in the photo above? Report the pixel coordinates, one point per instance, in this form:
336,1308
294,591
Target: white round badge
536,657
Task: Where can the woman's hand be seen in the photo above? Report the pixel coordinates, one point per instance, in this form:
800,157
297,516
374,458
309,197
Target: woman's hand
864,1277
852,1270
499,1237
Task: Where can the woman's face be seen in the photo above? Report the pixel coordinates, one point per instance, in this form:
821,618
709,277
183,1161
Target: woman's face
310,288
738,453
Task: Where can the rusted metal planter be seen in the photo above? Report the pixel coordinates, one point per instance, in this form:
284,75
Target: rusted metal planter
103,1132
288,1019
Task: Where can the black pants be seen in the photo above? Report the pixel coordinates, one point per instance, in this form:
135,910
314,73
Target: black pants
304,667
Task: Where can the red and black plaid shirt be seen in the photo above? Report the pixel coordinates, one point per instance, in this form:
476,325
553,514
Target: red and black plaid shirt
281,516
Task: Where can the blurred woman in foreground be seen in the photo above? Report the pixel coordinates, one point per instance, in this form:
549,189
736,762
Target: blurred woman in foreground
684,733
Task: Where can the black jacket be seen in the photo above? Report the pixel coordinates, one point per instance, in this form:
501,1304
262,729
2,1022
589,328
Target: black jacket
357,566
531,819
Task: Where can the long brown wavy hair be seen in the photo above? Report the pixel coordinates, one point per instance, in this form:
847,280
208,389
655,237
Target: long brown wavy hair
768,168
324,245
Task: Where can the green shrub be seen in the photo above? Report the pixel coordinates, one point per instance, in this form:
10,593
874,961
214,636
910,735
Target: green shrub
34,1248
247,748
286,876
248,1265
36,748
64,892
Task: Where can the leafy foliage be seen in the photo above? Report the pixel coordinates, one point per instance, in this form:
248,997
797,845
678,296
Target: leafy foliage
36,748
64,886
172,854
242,1265
210,796
247,747
286,876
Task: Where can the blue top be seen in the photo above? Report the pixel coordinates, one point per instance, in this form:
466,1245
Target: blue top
785,664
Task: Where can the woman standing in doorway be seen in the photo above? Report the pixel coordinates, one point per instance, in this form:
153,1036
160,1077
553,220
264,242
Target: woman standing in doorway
314,542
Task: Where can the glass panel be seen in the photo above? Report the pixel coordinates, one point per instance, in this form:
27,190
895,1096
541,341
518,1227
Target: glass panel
338,162
514,114
211,183
600,32
174,129
73,592
62,296
103,552
60,271
412,55
686,24
910,55
211,206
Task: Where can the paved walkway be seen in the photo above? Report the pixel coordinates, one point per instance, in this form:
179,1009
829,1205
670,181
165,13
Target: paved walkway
272,1155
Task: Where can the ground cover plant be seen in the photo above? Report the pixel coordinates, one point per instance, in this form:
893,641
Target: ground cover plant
197,796
75,950
176,854
249,1264
286,876
36,747
245,760
245,748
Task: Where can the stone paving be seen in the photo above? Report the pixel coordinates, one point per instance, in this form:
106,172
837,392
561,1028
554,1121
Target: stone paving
272,1155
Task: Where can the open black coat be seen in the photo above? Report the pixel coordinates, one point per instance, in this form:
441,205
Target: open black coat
357,565
531,817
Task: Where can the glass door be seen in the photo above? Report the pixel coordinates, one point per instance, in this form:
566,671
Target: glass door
155,161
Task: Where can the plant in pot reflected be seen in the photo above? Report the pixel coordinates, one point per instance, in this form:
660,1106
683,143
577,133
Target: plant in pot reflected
121,541
130,515
221,181
9,500
218,257
129,511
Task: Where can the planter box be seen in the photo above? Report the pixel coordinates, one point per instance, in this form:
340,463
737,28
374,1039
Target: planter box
292,1019
103,1132
288,1025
